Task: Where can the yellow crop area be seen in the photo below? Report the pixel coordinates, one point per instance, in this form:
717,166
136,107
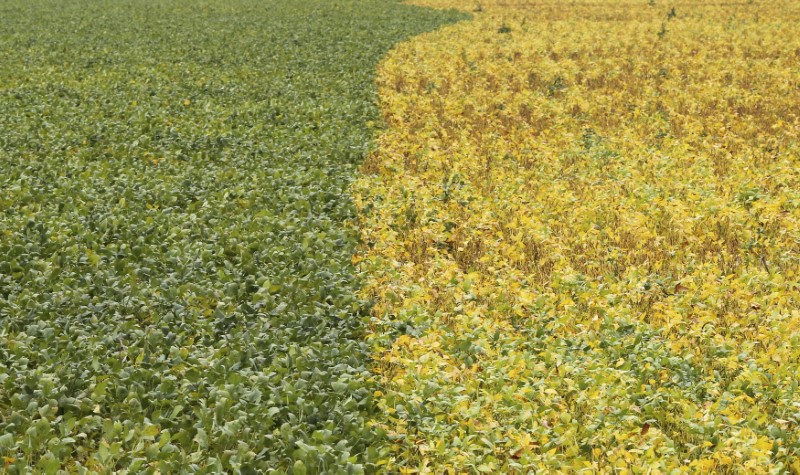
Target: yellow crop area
582,238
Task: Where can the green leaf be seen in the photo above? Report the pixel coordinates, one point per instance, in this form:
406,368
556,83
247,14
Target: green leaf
299,468
6,441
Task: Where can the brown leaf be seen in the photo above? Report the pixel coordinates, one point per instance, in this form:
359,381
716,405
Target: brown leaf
645,428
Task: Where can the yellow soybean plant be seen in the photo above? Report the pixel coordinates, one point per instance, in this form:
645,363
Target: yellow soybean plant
582,238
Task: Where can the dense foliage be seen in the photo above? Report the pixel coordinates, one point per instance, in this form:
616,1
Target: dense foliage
583,229
176,284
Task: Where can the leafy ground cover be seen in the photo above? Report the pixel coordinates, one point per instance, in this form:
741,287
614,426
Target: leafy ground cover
176,285
582,228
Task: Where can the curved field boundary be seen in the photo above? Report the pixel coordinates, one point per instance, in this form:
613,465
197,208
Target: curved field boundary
176,286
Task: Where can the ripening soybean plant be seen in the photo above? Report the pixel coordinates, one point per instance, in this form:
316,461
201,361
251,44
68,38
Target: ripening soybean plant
582,239
422,237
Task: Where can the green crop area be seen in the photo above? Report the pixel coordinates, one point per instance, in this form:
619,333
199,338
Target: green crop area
176,284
